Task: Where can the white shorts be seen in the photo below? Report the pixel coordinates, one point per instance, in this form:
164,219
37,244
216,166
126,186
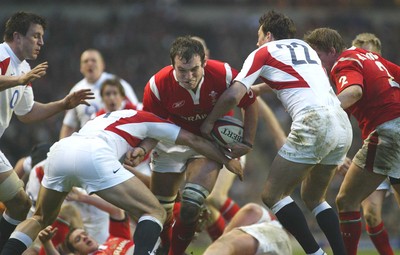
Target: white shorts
5,165
380,152
86,162
272,238
168,158
318,136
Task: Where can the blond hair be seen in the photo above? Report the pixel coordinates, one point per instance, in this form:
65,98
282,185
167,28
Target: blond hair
368,41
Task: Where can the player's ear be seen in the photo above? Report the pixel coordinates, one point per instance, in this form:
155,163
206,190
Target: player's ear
269,36
332,51
204,63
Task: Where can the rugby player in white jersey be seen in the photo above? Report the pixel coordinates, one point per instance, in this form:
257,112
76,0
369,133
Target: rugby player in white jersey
90,159
23,40
320,134
92,67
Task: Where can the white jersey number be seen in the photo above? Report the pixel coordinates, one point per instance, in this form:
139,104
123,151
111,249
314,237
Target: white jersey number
295,60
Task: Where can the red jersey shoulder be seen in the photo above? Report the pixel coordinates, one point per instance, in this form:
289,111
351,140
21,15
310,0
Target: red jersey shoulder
164,76
218,68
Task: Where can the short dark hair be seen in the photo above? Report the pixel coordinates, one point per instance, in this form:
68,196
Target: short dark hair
116,82
325,39
278,24
185,47
20,22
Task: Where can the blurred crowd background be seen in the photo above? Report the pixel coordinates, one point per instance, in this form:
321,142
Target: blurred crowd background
134,38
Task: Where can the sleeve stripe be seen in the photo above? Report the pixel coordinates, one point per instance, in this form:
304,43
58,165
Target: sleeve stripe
348,59
153,87
228,74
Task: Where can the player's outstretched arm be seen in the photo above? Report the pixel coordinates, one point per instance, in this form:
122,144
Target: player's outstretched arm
12,81
43,111
209,150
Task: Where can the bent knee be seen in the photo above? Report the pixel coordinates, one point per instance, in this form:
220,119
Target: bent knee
189,212
312,203
342,202
372,217
159,213
193,197
268,199
18,207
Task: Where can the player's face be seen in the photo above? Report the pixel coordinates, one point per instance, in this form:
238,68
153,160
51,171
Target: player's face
29,45
262,38
92,65
82,242
189,73
112,98
327,59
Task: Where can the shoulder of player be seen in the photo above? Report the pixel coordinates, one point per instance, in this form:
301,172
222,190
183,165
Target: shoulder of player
216,67
163,78
349,58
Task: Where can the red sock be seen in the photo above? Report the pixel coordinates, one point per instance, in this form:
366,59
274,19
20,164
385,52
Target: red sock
61,234
182,235
350,225
380,238
217,228
229,209
166,233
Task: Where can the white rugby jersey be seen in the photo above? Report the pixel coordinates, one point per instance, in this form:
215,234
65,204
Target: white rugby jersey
125,129
78,116
294,71
18,99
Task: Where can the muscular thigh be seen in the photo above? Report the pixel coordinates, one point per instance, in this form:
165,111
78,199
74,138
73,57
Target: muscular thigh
314,187
380,152
203,171
166,184
224,182
358,184
283,177
132,196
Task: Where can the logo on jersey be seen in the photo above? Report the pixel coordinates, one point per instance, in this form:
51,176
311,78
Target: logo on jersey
195,117
178,104
213,96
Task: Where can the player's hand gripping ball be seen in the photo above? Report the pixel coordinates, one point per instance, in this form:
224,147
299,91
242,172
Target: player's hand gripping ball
227,130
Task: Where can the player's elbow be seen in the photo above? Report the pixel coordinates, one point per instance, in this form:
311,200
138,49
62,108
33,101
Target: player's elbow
25,118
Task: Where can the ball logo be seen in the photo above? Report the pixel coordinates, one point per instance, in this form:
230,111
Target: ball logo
236,136
227,130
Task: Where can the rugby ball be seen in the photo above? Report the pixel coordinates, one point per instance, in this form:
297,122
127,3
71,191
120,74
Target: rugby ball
227,130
